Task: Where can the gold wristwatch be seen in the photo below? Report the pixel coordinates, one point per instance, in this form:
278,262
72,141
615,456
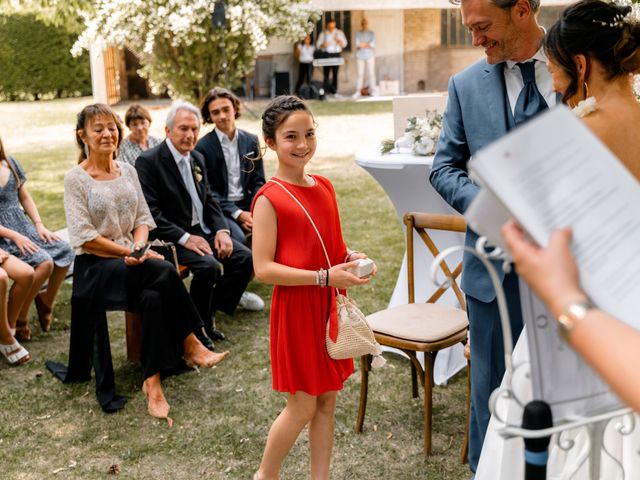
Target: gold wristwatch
574,313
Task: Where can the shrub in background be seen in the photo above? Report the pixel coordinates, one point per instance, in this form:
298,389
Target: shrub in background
35,61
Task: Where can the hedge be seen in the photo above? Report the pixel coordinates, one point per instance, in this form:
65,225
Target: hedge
35,61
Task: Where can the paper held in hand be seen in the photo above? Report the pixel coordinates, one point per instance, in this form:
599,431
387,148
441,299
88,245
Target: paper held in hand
550,173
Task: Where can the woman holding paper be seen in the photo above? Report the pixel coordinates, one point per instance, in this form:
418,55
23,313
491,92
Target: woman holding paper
608,345
593,50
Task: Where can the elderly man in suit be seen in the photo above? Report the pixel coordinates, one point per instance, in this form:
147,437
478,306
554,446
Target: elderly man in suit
485,101
174,181
234,171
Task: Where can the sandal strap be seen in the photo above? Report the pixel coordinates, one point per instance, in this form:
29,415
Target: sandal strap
15,353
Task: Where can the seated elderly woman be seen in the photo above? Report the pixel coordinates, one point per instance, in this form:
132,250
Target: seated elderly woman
138,120
109,223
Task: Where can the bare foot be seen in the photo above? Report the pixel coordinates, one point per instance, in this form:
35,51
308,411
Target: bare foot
205,359
157,404
196,355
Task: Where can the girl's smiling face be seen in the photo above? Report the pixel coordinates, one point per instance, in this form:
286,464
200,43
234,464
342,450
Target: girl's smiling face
295,139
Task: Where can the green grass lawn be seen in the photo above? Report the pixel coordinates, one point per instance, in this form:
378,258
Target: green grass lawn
222,416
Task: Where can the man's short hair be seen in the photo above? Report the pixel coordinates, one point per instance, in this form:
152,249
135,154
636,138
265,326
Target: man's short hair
181,105
506,4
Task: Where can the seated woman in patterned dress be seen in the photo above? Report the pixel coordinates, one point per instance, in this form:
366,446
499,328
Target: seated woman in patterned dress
23,235
138,120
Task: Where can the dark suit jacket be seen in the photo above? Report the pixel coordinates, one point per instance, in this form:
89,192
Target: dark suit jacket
167,195
251,172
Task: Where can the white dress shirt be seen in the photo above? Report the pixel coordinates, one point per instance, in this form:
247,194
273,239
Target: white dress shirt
514,82
232,161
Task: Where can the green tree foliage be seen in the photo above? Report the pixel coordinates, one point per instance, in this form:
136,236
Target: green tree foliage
181,51
35,60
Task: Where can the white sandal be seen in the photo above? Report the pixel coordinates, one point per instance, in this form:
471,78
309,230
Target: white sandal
15,354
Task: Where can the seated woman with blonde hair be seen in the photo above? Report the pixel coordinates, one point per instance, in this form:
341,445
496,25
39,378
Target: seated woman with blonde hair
109,223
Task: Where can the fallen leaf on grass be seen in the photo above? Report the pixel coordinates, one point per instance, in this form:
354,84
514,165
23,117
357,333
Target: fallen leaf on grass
375,427
389,435
43,417
114,469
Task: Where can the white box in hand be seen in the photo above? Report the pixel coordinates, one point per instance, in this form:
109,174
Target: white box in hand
363,269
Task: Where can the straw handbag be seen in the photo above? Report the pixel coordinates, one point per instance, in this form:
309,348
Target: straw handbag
355,337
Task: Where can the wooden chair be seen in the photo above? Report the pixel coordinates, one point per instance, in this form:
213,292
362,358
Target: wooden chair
133,327
421,327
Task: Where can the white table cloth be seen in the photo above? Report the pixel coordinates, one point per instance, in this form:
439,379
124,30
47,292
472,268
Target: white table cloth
405,179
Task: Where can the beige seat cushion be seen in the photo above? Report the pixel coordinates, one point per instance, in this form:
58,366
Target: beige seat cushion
419,322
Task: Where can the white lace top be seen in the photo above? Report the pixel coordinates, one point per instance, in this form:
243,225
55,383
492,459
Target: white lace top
108,208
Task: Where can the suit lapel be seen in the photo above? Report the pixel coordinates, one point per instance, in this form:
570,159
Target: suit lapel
171,167
198,177
496,95
218,153
242,153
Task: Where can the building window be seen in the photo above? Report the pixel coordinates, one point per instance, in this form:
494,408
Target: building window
343,22
453,33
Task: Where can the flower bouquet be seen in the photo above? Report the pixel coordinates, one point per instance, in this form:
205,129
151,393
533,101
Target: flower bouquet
421,135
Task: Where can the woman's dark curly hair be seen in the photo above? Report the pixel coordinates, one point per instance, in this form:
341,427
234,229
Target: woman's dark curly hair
597,30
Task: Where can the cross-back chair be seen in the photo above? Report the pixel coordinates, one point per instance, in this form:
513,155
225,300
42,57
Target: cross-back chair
421,327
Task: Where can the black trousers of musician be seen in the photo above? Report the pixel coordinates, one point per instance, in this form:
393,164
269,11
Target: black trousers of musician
331,85
152,289
218,283
305,71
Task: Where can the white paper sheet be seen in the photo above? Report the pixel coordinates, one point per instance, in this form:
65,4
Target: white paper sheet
554,172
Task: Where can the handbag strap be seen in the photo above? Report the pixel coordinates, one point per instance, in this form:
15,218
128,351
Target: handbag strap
308,216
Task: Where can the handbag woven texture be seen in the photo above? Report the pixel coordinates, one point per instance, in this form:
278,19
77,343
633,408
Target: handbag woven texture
355,337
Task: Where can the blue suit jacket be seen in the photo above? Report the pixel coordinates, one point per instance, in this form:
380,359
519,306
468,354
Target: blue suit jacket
475,116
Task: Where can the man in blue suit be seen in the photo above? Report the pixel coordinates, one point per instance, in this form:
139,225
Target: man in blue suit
485,101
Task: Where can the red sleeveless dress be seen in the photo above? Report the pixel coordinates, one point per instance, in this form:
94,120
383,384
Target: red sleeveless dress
299,358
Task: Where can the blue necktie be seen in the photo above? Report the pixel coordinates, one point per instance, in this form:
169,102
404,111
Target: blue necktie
196,203
530,101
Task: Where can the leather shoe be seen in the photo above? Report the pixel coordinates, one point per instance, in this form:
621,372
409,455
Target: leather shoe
215,334
204,339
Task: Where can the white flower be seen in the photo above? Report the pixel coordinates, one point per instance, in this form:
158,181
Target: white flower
585,107
424,147
405,141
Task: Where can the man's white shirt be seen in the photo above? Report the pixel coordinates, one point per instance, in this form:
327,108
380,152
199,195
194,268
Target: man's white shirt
232,161
515,83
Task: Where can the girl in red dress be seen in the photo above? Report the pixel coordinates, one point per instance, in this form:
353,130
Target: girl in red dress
288,254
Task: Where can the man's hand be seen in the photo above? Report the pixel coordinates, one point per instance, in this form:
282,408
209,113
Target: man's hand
223,244
246,221
199,245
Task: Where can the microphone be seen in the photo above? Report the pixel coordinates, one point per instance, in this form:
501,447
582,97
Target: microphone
536,416
218,17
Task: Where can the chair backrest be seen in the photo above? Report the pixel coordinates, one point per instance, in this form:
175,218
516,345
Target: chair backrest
422,223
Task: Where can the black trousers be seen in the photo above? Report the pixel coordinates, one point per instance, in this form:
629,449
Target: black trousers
218,283
155,291
305,71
